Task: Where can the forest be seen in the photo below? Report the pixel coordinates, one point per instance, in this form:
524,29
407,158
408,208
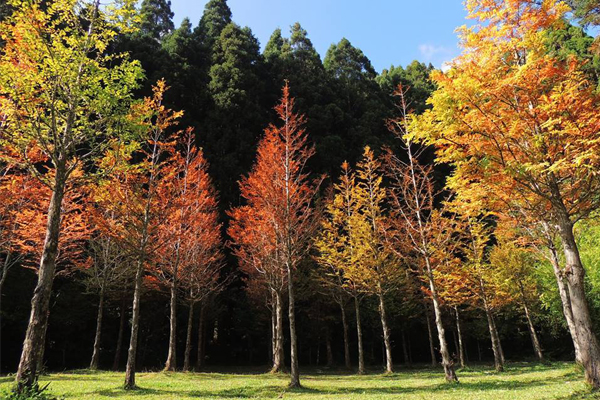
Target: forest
188,213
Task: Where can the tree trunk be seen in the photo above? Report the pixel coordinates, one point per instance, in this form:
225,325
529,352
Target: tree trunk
123,319
574,273
447,363
135,326
35,336
96,353
498,362
278,350
171,364
534,338
328,346
361,354
405,350
461,349
187,366
565,299
294,371
346,341
499,341
429,332
200,355
479,351
389,368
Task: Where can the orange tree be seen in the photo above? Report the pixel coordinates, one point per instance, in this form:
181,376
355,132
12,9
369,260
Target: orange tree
521,127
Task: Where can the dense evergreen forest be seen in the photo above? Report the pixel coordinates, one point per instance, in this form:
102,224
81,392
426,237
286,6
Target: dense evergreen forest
381,253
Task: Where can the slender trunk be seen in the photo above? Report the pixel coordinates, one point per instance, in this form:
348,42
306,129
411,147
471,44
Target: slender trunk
117,359
447,363
361,355
499,341
328,346
461,349
346,341
389,368
563,291
479,351
430,334
534,338
294,371
278,350
171,364
318,351
187,366
574,273
35,336
200,355
498,362
96,353
273,328
405,350
135,325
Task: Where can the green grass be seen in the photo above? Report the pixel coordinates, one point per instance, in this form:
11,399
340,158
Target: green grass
519,381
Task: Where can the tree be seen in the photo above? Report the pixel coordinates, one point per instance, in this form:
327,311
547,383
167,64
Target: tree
372,265
61,92
190,232
431,235
131,194
526,138
335,254
515,267
156,16
279,194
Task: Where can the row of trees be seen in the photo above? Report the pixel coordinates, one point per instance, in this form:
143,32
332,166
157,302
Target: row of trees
98,181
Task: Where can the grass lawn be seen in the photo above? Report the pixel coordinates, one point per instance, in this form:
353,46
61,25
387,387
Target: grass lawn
519,381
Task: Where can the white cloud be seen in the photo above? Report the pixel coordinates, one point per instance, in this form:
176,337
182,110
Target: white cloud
429,51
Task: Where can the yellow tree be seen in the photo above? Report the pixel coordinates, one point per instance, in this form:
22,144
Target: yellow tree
515,268
334,253
521,127
372,264
63,93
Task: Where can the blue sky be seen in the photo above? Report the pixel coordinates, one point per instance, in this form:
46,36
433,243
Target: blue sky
387,31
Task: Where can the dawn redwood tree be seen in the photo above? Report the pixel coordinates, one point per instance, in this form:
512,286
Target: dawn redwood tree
335,253
421,230
132,195
521,126
191,234
372,265
60,91
278,192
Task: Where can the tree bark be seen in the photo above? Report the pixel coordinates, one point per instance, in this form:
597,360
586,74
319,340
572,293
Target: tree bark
461,349
96,353
278,350
35,336
498,361
200,355
447,363
565,299
361,354
346,340
499,341
187,366
135,326
123,319
389,367
171,364
430,334
294,370
575,273
534,338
